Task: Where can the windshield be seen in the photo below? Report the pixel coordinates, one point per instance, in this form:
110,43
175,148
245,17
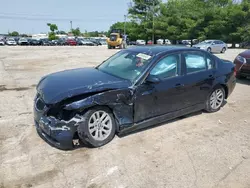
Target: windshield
126,64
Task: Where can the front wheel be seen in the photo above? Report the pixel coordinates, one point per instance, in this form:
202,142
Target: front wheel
215,100
209,50
98,127
223,50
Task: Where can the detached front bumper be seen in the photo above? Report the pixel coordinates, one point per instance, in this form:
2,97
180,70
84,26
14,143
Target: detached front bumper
61,138
58,133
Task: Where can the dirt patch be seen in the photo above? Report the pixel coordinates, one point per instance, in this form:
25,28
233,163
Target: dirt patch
33,180
4,88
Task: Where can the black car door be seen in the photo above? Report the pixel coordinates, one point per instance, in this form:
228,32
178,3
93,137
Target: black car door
156,97
199,71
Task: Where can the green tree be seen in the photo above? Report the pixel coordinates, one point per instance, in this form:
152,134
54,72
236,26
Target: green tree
76,32
144,12
14,34
53,29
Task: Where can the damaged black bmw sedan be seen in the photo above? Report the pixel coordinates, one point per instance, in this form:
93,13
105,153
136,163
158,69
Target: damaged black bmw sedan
135,88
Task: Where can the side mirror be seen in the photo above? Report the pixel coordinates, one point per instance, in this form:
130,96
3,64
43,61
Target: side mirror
152,79
213,43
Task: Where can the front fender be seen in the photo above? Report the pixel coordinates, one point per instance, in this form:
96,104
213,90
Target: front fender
120,101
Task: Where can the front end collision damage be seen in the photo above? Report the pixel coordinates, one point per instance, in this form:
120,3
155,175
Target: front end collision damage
119,101
60,131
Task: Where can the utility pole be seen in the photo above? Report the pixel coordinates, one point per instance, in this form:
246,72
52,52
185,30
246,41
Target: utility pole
71,25
125,21
153,20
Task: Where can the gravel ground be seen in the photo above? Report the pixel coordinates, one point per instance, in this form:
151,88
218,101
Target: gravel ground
202,150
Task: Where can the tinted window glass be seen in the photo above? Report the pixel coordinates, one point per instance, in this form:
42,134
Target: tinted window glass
167,67
194,62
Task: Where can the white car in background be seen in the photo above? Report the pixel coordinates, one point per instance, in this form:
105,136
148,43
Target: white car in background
163,41
1,42
23,41
11,41
140,42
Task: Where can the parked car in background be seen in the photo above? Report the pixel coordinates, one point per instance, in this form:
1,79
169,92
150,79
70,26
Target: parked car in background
86,42
71,42
167,41
61,42
135,88
184,43
54,42
34,42
132,43
11,41
163,41
45,42
23,41
242,64
244,44
216,46
103,41
140,42
150,42
96,42
2,42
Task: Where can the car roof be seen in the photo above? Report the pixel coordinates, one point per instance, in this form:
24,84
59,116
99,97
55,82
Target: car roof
155,50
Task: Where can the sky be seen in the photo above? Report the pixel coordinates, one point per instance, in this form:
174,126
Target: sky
32,16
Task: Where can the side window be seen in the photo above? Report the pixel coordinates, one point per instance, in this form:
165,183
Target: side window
195,62
167,67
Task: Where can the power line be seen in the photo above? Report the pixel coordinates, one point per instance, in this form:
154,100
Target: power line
56,19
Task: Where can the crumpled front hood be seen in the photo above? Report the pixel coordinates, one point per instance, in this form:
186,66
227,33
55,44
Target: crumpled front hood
62,85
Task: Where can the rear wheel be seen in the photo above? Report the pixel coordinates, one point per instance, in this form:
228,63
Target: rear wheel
98,127
215,100
109,47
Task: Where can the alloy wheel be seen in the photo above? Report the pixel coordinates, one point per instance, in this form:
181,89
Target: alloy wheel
100,125
216,99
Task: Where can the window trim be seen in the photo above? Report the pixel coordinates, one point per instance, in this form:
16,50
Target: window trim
179,65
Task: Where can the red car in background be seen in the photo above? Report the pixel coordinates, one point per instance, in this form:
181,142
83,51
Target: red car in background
71,42
242,64
150,42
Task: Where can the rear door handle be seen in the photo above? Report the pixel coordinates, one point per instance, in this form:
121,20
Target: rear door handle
179,85
211,76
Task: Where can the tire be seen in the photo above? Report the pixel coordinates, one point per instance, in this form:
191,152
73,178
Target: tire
217,102
223,50
209,50
96,138
109,47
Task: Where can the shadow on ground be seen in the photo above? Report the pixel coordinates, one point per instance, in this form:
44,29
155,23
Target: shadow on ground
82,145
245,81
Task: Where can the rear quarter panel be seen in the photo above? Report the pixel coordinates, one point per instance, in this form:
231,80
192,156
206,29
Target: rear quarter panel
225,75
